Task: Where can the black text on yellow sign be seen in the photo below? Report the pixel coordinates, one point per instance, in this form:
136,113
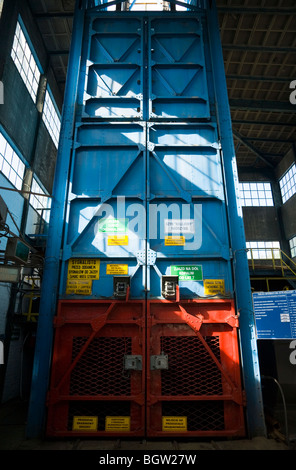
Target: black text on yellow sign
88,268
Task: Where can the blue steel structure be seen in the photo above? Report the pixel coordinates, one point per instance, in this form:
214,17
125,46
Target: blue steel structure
145,198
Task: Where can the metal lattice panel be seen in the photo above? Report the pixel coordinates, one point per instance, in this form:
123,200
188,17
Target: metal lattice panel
191,369
201,416
99,371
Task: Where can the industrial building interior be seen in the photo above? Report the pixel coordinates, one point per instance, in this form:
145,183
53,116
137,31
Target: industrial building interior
259,48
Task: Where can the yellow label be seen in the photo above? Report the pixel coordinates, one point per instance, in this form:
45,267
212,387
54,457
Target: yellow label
117,269
118,240
174,423
214,286
85,423
172,240
84,269
81,287
117,423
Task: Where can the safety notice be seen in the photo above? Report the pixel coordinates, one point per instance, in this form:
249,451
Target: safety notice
172,240
88,268
117,269
174,423
85,423
80,287
112,225
179,226
114,240
117,423
214,286
187,273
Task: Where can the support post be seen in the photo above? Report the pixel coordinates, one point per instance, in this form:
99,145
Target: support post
50,281
244,303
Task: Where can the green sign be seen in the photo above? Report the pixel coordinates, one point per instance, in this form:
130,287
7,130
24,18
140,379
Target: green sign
187,273
112,225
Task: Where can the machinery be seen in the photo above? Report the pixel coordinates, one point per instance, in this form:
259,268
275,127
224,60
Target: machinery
146,311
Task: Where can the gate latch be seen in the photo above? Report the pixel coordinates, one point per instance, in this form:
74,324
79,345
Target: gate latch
132,362
160,362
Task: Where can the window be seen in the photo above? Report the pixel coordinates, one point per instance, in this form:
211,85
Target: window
288,183
51,118
22,55
256,194
263,250
292,243
41,204
10,163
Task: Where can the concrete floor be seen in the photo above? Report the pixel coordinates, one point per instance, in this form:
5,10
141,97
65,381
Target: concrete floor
13,425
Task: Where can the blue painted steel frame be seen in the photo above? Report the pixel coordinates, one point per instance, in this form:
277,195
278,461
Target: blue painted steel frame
50,283
49,291
251,372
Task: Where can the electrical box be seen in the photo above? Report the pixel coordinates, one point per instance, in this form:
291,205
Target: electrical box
120,286
17,250
169,286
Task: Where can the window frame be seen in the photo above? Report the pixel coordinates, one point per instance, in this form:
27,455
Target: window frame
43,211
283,184
15,156
13,54
46,120
262,201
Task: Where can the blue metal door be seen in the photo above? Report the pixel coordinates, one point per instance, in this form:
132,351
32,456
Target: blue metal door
146,193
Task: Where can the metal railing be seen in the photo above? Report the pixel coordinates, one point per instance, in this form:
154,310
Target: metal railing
273,257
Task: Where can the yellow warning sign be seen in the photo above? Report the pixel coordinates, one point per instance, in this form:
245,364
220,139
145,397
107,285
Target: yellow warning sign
174,423
214,286
80,287
172,240
117,269
117,423
88,268
118,240
85,423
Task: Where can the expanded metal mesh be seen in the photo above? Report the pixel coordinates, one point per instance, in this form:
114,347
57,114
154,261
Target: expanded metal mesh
201,415
101,409
99,370
192,370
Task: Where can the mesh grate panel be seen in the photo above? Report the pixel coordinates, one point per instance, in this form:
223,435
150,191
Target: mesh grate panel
99,409
192,370
99,370
201,415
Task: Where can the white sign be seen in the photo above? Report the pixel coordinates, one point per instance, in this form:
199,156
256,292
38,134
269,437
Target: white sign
179,226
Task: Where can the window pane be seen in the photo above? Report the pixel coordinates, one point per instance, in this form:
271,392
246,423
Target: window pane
10,163
24,60
256,194
288,184
51,119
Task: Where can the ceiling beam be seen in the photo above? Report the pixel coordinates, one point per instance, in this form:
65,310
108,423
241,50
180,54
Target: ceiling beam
258,10
251,148
258,105
257,78
254,48
264,123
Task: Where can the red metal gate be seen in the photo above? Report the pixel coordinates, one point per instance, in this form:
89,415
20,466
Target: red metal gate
194,388
120,370
97,383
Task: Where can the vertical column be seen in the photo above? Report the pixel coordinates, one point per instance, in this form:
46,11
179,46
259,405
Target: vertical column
251,371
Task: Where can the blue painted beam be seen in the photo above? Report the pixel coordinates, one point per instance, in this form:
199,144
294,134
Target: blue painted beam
250,363
50,282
